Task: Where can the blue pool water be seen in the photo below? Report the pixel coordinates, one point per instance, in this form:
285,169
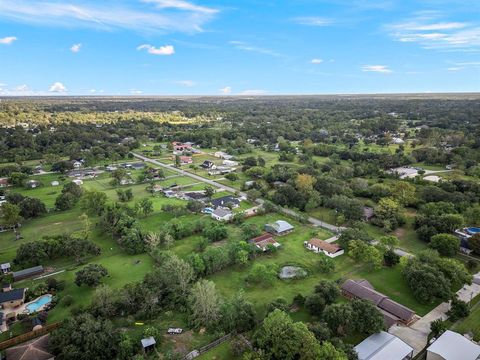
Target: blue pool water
37,304
473,230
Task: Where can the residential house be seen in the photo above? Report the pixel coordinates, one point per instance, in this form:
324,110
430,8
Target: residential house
169,193
11,298
181,147
184,160
397,141
148,344
393,312
27,273
5,268
157,188
279,227
226,201
453,346
223,155
221,214
77,164
230,163
195,195
3,182
36,349
207,164
126,181
320,246
383,346
138,165
262,241
77,182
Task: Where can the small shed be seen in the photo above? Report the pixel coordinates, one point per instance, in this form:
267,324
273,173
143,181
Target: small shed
5,268
78,182
148,344
55,183
279,227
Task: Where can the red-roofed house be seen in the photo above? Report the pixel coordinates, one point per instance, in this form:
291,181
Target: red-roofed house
320,246
262,241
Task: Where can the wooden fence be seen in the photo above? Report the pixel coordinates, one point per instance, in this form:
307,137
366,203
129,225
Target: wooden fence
28,336
207,347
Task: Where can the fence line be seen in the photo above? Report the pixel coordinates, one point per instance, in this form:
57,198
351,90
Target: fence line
29,336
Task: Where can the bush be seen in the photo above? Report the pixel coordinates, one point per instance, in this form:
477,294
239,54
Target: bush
67,300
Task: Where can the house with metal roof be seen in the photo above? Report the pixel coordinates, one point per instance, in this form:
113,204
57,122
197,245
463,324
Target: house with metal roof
279,227
453,346
148,344
383,346
26,273
393,312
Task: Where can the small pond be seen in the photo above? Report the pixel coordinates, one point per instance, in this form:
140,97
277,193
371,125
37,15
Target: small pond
292,272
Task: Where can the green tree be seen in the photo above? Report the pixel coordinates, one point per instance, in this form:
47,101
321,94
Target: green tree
366,318
438,327
458,309
90,275
10,215
204,304
474,243
280,338
146,206
208,191
84,338
338,317
445,244
328,290
93,201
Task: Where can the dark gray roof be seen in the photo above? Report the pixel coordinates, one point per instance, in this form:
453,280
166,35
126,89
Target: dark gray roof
396,309
27,272
224,200
221,212
12,295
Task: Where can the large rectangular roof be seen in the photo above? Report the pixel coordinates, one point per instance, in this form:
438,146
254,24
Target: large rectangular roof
453,346
382,346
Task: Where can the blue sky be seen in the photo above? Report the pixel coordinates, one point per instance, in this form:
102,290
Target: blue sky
212,47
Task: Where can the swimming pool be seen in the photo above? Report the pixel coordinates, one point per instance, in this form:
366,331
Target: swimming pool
39,303
473,230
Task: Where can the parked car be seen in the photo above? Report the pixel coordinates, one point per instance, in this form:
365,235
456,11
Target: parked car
174,331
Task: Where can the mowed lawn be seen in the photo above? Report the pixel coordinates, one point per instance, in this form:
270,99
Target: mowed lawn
470,324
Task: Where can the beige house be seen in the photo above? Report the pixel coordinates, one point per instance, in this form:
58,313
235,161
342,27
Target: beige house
320,246
11,298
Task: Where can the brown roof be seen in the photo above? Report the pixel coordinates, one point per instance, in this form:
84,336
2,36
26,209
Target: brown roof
388,318
330,248
362,289
33,350
362,292
262,237
397,309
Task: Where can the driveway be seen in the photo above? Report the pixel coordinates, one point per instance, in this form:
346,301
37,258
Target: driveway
416,335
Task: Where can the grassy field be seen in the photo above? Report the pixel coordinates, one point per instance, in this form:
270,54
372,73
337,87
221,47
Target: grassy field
471,324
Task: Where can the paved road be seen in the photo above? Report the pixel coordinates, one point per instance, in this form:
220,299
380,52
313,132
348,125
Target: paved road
312,220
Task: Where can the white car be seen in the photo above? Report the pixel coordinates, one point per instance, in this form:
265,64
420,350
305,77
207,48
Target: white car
174,331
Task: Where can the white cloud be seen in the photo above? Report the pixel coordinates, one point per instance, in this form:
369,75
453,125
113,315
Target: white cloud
376,68
312,21
181,5
454,68
187,83
136,92
153,16
162,50
58,87
253,92
8,40
430,31
22,88
227,90
240,45
75,48
316,61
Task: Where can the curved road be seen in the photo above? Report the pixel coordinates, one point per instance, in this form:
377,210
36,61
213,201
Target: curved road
312,220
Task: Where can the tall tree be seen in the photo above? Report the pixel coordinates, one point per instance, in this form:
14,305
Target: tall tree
204,304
